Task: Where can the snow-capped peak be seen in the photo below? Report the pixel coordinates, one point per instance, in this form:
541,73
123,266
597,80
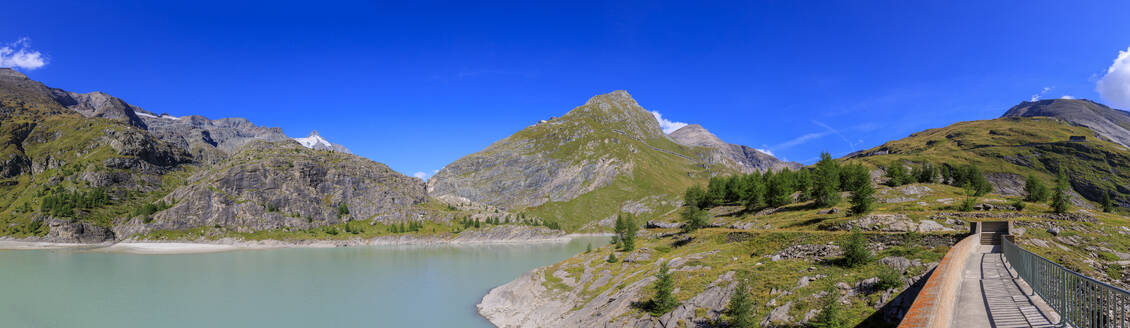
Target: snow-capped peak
313,140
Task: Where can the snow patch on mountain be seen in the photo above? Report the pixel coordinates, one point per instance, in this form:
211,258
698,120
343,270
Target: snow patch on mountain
315,141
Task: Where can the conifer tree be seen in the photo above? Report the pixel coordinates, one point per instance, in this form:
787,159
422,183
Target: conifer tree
663,301
755,198
777,190
694,196
826,183
715,191
851,176
855,250
1037,191
740,309
862,199
694,218
628,240
1060,201
896,174
1108,205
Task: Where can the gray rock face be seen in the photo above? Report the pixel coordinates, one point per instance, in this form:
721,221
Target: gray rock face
203,136
68,231
99,104
738,157
283,185
1110,123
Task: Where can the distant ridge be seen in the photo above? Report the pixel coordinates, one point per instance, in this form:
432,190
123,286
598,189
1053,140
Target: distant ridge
1108,122
740,157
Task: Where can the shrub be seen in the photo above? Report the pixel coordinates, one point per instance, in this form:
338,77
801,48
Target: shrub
831,315
855,250
1018,204
342,210
889,278
612,258
967,204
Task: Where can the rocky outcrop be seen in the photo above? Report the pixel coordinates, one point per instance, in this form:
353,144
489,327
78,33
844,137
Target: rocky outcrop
739,157
203,137
70,231
99,104
284,185
888,223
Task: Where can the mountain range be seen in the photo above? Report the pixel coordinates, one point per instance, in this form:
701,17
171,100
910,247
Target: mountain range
578,171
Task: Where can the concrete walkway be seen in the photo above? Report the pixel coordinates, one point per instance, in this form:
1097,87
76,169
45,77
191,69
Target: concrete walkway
991,297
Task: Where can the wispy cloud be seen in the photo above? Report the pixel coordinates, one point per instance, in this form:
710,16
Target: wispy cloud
800,140
666,125
837,133
828,130
1114,87
1040,94
1067,97
765,150
20,55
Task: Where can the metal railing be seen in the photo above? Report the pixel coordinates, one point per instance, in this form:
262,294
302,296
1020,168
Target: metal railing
1080,301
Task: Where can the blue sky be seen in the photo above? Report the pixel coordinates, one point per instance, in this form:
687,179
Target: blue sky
417,86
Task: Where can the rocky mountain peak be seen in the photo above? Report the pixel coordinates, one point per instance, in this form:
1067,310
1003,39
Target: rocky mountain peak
696,135
740,157
315,141
618,111
1111,123
11,73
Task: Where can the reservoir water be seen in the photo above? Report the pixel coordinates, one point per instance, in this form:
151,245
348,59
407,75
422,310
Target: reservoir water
432,286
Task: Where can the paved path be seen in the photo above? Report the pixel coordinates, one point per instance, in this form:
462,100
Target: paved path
991,297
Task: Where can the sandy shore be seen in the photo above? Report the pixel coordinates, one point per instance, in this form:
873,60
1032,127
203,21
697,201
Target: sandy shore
225,245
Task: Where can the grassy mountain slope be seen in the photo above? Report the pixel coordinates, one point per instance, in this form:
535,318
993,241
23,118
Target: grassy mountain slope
606,156
1008,149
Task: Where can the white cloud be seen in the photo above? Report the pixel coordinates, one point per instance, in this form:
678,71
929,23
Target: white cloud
1040,94
19,54
667,126
1067,97
765,150
424,175
1114,87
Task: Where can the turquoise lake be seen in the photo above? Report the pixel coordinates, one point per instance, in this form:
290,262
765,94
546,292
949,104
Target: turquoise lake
425,286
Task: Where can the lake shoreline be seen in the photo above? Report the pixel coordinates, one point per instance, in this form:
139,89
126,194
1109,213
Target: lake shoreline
142,246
